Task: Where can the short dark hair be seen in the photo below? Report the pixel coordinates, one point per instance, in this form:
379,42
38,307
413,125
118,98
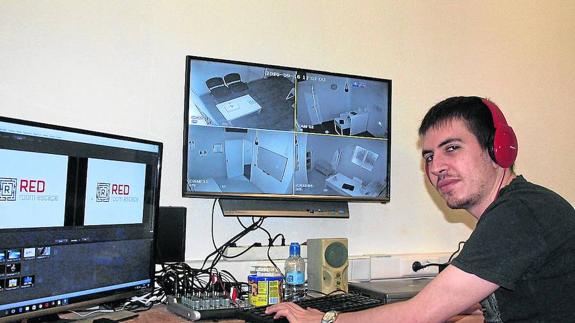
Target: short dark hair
470,109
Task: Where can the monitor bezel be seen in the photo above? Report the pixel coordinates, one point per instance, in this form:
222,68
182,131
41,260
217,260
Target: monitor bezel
232,195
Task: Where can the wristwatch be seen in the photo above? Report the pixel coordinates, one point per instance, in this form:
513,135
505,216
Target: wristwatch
329,317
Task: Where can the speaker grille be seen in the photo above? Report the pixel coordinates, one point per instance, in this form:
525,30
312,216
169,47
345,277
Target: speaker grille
336,254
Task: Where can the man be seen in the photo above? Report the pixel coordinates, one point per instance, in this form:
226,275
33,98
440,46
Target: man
519,262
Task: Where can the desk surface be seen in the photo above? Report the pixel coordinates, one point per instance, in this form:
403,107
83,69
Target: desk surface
161,314
158,313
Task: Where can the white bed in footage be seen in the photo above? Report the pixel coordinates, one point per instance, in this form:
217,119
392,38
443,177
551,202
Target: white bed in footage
352,186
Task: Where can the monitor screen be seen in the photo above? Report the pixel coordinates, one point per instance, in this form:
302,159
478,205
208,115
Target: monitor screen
78,211
262,131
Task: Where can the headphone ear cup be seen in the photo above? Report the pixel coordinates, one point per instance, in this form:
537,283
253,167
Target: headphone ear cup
490,148
503,149
505,146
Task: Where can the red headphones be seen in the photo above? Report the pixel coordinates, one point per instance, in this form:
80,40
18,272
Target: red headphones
504,147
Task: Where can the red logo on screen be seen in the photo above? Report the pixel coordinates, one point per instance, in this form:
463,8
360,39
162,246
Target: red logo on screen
120,189
32,186
29,190
105,192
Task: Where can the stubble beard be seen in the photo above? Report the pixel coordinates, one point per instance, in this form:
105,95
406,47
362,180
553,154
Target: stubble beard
465,202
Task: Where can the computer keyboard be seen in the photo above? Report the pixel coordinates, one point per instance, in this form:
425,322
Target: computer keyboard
337,302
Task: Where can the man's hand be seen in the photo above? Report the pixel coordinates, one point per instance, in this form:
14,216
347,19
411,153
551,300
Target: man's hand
294,313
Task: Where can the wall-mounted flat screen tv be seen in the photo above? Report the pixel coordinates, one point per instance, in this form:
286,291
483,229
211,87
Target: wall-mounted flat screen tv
265,131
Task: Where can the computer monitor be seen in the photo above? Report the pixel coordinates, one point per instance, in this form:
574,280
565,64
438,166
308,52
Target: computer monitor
273,132
78,213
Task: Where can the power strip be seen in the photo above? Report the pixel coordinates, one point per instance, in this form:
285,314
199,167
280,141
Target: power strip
261,253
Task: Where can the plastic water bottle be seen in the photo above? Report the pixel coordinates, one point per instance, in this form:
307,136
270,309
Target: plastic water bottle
294,274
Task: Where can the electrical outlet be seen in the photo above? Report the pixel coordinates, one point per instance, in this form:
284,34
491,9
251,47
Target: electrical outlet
406,266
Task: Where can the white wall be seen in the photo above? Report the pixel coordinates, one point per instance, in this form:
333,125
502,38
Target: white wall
119,66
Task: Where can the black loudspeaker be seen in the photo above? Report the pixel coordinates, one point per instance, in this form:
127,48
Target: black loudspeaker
170,243
327,263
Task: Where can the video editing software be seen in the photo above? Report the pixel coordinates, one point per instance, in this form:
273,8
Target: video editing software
77,216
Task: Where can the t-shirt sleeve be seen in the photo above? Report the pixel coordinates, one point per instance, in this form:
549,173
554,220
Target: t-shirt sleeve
504,244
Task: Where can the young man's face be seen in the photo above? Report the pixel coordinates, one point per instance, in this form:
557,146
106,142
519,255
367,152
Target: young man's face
458,167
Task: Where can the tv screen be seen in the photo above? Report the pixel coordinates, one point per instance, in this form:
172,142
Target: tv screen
264,131
78,211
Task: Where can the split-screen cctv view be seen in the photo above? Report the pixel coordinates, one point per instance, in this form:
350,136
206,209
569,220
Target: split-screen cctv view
261,130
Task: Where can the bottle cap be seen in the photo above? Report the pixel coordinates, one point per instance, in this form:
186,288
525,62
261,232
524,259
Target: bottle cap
294,249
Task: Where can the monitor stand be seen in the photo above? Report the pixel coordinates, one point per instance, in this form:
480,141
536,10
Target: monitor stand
284,208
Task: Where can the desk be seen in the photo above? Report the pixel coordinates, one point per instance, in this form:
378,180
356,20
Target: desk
160,314
238,107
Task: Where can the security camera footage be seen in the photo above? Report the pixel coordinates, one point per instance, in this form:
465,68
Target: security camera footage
260,130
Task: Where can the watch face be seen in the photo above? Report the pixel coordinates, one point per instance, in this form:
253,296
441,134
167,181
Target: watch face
329,317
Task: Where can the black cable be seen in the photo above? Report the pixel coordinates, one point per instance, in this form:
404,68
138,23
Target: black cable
256,224
181,279
255,244
269,235
218,253
243,225
418,265
456,251
278,235
271,243
212,225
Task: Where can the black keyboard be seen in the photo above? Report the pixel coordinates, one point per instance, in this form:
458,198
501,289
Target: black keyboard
337,302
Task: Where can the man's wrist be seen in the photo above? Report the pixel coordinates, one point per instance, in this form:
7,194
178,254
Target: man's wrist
329,317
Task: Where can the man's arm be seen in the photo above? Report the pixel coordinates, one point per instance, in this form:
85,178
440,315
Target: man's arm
448,294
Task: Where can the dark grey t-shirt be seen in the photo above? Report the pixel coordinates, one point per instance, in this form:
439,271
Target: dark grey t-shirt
525,243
